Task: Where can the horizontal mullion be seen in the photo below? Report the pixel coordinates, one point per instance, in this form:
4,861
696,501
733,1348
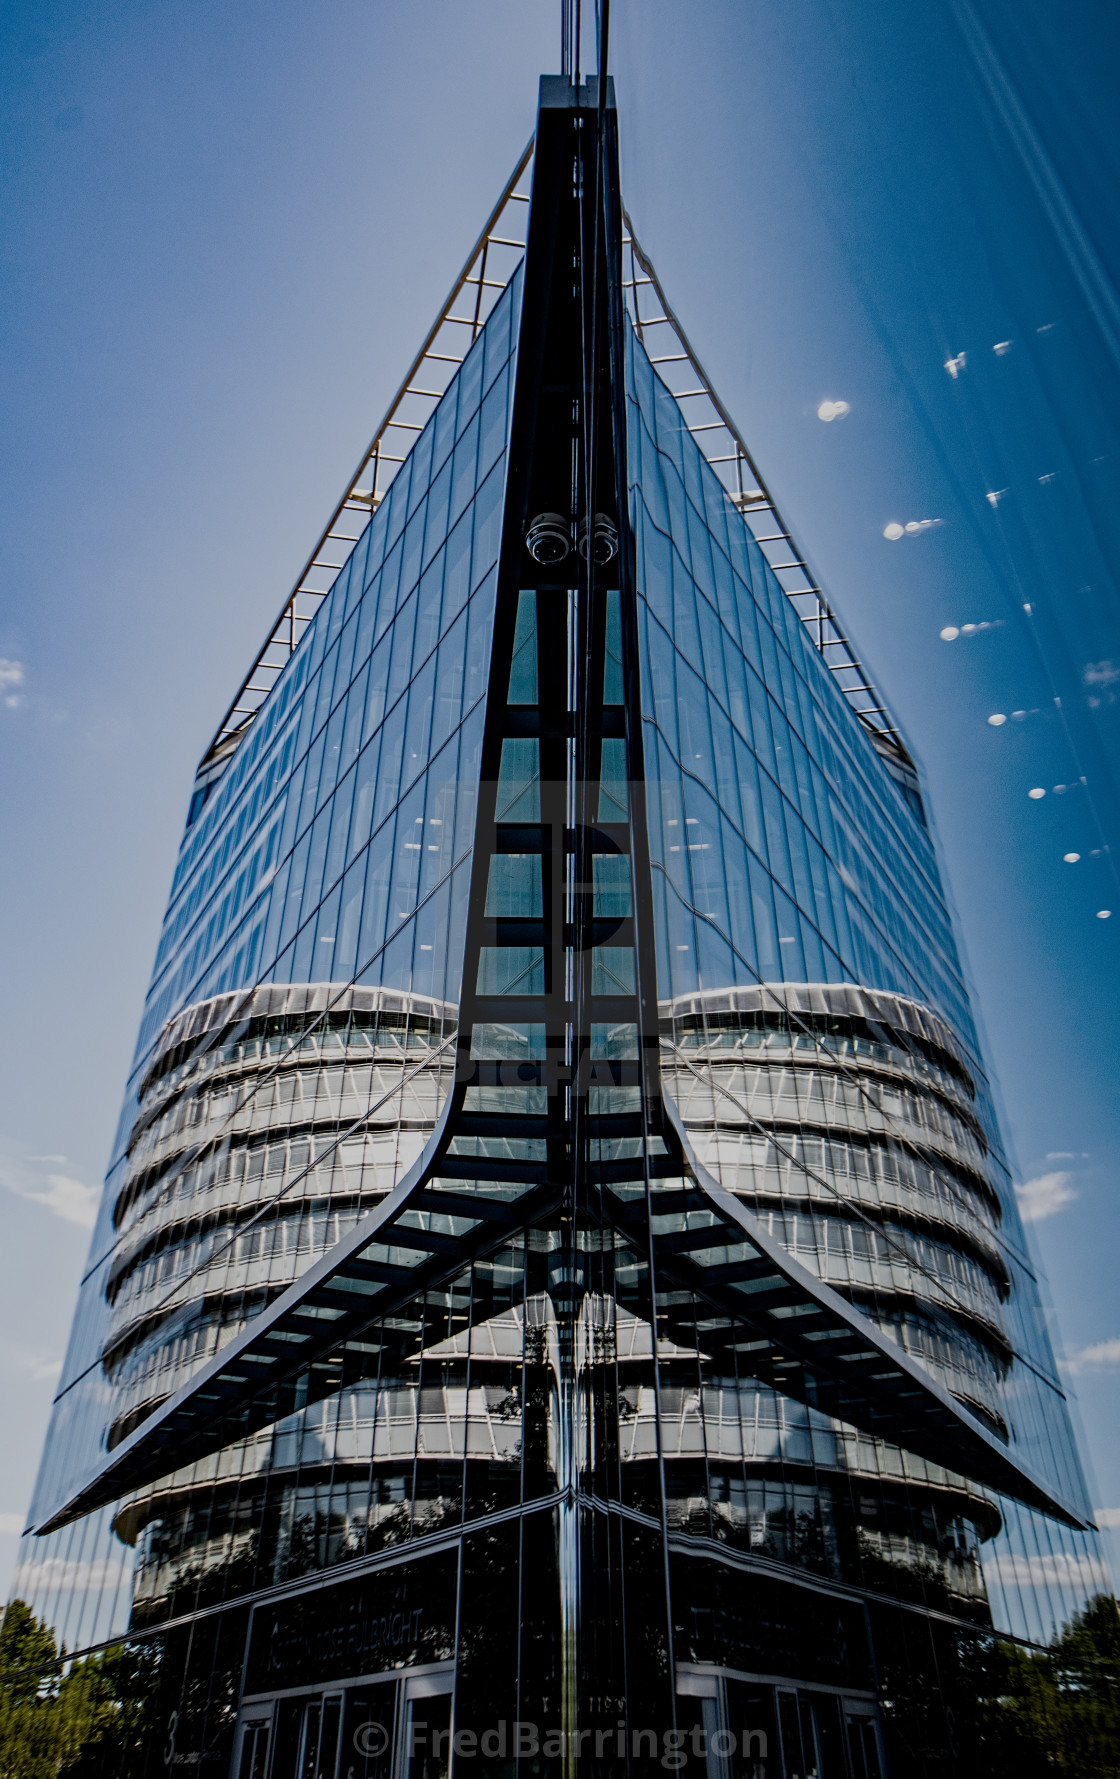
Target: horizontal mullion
502,930
499,1124
492,1167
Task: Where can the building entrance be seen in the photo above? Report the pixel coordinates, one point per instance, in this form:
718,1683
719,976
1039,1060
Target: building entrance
736,1726
379,1728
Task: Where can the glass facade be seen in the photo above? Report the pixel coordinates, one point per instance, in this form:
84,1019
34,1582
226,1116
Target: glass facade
558,1302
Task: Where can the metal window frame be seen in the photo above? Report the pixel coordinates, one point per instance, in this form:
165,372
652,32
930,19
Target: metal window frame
722,444
450,337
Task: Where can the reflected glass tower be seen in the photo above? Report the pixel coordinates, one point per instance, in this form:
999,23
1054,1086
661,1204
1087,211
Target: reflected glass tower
558,1303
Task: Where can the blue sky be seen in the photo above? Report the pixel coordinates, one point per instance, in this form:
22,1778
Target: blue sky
225,230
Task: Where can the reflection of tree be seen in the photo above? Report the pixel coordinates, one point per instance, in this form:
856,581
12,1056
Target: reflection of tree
1061,1709
87,1719
986,1709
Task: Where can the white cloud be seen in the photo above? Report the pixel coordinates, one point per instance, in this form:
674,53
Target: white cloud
57,1193
912,528
40,1365
1043,1196
12,1522
1107,1518
956,365
833,410
11,675
68,1199
1102,1356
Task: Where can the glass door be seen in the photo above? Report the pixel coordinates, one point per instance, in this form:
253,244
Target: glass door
305,1744
863,1742
426,1741
254,1749
369,1732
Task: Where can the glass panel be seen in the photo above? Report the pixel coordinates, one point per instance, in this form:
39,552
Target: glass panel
367,1737
751,1721
428,1744
611,880
612,659
519,781
328,1737
830,1736
309,1750
514,886
510,970
523,672
254,1751
613,797
289,1731
789,1720
613,970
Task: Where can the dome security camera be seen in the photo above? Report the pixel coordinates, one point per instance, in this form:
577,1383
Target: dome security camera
549,538
604,540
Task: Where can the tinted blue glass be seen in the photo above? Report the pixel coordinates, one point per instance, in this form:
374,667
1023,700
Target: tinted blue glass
334,851
784,852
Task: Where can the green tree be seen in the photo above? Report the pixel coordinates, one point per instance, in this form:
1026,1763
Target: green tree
82,1719
29,1682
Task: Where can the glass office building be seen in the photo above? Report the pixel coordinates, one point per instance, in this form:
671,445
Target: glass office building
558,1303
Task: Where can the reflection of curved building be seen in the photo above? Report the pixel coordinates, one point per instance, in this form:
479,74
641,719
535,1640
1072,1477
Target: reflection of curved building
845,1119
267,1124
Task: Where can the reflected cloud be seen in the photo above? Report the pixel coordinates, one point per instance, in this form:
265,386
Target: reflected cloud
951,632
1056,1568
1100,677
956,365
59,1572
833,410
912,528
